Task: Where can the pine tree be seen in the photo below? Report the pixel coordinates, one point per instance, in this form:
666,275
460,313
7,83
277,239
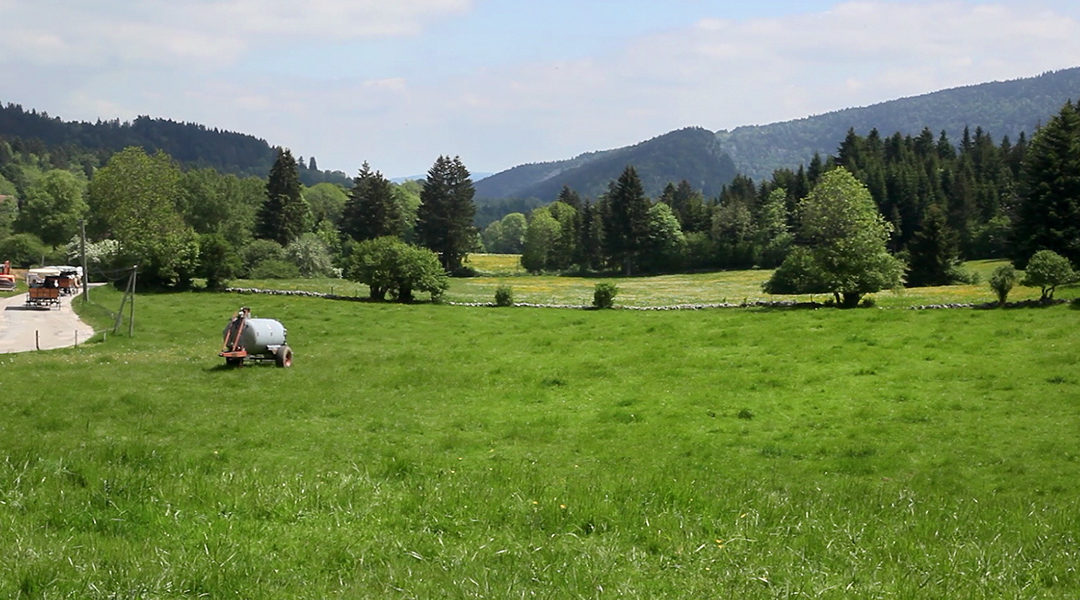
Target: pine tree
1049,213
285,215
445,217
627,225
933,254
371,210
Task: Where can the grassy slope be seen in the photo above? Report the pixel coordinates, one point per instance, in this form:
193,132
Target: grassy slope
434,451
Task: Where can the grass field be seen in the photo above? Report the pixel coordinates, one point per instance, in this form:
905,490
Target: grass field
733,287
453,452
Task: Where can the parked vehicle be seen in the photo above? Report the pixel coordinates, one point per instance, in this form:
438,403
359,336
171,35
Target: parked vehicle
248,338
7,278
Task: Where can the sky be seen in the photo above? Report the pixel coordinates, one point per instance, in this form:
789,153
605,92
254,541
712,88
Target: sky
397,83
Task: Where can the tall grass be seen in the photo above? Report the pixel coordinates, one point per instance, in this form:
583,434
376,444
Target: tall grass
436,451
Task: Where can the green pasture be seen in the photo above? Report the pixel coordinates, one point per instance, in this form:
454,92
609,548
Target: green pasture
434,451
728,287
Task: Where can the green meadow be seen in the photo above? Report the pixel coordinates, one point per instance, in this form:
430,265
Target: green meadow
720,287
434,451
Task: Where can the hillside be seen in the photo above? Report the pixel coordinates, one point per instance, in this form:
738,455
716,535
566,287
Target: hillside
691,154
709,161
1001,108
190,144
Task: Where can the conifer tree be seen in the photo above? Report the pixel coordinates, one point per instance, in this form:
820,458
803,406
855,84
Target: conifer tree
627,223
1048,217
445,217
933,252
371,210
285,215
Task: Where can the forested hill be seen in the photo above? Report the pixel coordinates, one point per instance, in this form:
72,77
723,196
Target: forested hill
691,154
1002,108
190,144
708,161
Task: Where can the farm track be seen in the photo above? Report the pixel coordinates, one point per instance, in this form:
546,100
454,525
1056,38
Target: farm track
23,329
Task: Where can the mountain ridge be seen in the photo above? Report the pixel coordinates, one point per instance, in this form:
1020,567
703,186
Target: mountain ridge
1000,108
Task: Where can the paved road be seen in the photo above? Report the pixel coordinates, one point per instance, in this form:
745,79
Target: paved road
54,328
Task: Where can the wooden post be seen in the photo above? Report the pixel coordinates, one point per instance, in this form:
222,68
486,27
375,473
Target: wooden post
131,314
128,291
82,251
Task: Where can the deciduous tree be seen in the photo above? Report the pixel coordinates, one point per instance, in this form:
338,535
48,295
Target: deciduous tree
840,246
1046,270
134,195
53,206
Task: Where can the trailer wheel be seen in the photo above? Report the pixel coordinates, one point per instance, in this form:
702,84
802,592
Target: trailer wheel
283,357
234,361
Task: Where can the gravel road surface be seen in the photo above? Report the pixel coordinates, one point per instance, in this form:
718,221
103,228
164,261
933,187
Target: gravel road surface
24,329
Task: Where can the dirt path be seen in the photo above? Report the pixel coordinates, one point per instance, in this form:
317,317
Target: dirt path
23,329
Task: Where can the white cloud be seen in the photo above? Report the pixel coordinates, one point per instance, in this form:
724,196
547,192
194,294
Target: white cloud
200,33
173,59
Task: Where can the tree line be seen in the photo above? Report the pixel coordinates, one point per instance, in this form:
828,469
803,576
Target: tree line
940,204
928,202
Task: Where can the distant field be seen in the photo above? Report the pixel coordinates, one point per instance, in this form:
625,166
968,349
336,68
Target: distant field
454,452
663,290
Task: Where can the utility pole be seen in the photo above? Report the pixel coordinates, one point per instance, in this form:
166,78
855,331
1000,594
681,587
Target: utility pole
82,251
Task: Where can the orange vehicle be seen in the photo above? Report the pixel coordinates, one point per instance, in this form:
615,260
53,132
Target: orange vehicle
7,278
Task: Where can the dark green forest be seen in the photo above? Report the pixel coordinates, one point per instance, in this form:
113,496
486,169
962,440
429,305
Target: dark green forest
88,145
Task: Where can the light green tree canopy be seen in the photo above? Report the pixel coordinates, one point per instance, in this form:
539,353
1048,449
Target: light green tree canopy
389,265
841,244
54,204
134,195
1046,270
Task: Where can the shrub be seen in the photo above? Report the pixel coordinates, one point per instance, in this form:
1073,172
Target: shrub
258,251
388,265
604,295
274,268
504,296
23,249
310,255
1047,270
1002,281
218,262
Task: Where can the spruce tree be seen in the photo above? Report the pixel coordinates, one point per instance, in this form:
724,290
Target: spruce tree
445,217
627,225
371,210
933,254
285,214
1048,217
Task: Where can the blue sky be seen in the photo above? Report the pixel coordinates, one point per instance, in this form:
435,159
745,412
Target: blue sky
506,82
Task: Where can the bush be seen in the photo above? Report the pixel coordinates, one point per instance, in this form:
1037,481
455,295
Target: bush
24,249
274,268
388,265
258,251
311,256
1002,281
1047,270
218,262
504,296
604,295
